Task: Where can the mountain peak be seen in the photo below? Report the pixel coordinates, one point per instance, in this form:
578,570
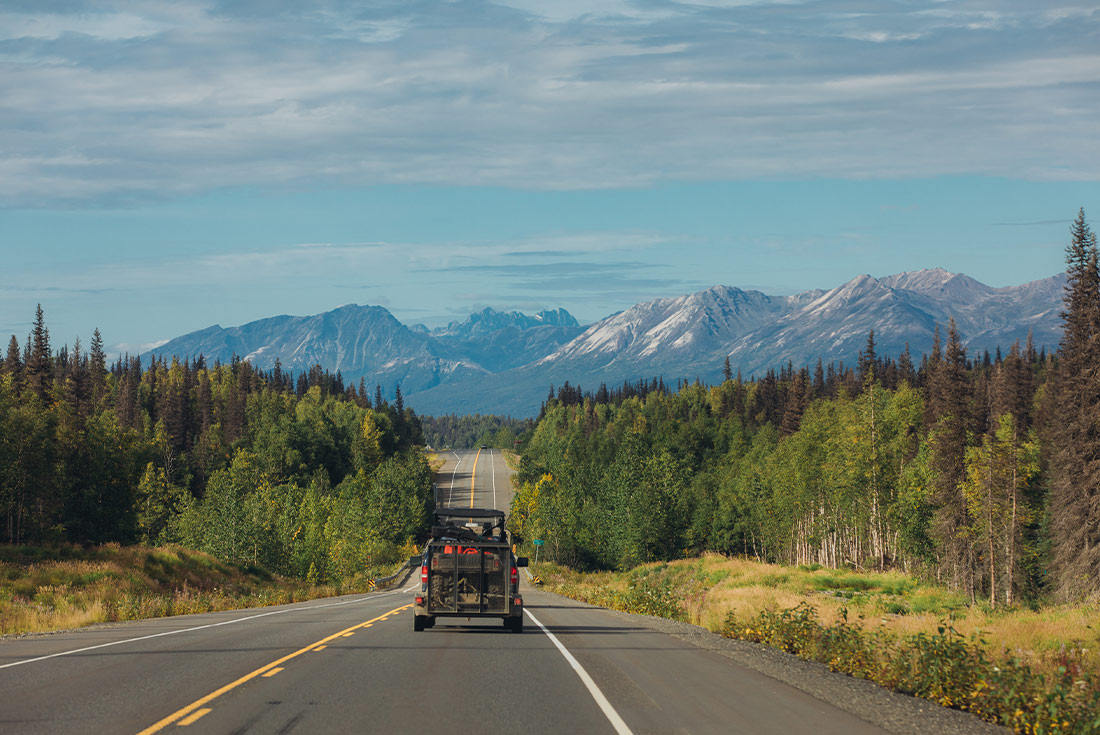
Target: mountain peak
937,281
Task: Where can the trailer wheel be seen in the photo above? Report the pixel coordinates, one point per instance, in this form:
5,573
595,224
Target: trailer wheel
418,623
514,624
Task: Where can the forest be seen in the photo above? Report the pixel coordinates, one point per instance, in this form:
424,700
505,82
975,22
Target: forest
302,476
466,432
979,471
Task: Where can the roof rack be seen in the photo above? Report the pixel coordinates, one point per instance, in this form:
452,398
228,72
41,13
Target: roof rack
468,513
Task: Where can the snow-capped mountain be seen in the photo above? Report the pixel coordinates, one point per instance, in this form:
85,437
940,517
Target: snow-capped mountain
369,342
503,362
500,341
690,336
670,331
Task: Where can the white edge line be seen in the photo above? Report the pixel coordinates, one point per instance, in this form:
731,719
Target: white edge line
609,711
493,472
453,473
200,627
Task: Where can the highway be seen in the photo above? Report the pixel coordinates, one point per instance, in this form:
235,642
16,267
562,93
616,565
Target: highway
354,665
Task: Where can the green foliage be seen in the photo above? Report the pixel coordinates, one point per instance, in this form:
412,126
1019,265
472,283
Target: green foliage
467,432
653,477
220,458
945,667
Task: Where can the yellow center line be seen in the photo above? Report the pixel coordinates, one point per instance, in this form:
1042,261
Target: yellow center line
473,475
272,673
180,714
194,717
320,648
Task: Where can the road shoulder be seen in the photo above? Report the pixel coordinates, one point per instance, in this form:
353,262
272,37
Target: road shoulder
892,711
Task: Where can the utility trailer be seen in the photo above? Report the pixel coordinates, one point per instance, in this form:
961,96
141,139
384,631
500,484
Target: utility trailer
468,570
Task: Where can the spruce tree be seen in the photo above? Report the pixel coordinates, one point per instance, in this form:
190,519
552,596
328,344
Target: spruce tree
868,361
948,411
39,362
13,363
97,369
1075,435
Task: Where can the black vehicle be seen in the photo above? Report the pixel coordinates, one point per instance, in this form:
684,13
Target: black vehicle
468,570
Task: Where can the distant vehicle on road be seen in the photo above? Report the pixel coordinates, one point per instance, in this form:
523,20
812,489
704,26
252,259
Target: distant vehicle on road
468,570
484,446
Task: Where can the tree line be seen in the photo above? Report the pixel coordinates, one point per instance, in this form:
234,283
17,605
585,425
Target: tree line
980,471
464,432
301,474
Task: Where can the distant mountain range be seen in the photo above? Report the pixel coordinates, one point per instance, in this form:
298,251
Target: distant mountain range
504,362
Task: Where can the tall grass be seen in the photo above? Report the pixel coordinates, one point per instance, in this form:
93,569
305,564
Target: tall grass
43,589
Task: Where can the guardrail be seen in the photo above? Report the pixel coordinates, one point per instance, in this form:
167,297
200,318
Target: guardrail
383,582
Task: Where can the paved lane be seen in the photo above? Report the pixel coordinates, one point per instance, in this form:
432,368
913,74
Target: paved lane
474,478
354,664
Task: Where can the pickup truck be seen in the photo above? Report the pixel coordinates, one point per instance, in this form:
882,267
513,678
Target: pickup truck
468,570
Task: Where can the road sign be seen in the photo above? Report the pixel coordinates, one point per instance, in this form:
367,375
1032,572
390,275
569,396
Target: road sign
538,542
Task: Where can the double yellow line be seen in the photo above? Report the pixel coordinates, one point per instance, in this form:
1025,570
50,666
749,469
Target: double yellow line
195,710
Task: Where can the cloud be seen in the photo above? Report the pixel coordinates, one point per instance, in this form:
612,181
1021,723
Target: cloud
107,103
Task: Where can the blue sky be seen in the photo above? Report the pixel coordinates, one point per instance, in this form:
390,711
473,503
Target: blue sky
169,165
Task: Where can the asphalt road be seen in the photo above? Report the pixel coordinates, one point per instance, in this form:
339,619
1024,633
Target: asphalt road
354,664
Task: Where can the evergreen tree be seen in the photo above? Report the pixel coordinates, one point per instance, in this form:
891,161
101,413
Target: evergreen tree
905,367
868,361
39,364
1075,435
798,397
949,415
97,369
727,371
13,364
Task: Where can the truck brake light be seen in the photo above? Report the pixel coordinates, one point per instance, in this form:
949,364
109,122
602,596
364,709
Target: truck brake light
515,576
424,574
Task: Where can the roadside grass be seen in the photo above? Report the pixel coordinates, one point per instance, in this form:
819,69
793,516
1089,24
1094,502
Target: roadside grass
511,459
435,461
1035,670
45,589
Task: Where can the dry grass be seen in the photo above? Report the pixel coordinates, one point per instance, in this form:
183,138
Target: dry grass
713,587
70,587
435,461
511,459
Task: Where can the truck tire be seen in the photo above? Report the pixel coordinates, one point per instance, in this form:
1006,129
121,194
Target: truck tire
418,623
514,624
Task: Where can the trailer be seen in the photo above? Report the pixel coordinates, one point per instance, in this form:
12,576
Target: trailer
468,570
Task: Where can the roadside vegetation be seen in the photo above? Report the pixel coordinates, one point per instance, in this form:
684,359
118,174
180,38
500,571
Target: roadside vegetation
46,589
302,476
1031,669
931,524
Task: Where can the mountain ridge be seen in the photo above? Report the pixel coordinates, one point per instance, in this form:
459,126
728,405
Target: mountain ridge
502,362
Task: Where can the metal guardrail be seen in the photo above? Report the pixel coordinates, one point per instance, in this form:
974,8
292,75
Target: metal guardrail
383,582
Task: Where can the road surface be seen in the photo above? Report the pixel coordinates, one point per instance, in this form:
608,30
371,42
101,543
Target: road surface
353,664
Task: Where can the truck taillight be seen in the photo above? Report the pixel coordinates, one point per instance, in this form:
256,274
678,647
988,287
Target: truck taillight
424,574
515,576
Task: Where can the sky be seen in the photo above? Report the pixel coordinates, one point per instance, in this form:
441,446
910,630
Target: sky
166,165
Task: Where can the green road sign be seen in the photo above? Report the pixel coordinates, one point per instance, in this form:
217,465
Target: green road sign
537,542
